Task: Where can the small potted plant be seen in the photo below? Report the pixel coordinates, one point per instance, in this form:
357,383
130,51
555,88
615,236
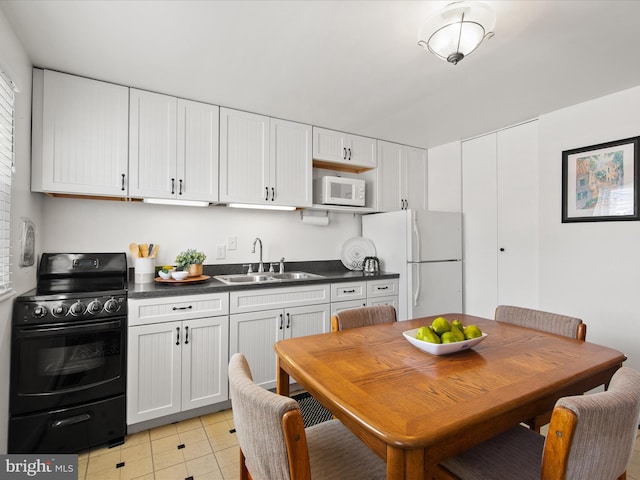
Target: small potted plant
191,260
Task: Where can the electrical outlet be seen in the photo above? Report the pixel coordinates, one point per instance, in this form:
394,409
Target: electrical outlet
220,252
232,243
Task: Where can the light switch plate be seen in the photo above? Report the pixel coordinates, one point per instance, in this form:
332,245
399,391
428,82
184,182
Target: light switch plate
220,252
232,243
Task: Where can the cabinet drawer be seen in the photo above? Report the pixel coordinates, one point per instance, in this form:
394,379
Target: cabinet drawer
348,291
382,288
338,306
165,309
391,300
270,298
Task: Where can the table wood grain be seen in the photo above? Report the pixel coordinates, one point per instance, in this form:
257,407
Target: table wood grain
414,409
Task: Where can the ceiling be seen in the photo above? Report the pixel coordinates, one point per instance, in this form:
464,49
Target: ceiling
348,65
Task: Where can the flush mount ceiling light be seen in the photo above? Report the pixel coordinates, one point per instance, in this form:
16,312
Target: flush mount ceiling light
457,30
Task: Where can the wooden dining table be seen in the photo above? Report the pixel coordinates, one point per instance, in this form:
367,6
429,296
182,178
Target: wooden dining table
415,409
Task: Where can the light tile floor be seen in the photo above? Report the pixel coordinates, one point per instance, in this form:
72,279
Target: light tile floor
203,448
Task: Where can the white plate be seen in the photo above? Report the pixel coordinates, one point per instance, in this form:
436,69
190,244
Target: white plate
354,250
441,348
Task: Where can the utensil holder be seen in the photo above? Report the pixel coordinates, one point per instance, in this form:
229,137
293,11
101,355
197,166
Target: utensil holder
144,270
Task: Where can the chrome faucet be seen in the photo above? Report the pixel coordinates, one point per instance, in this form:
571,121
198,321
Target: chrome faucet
253,250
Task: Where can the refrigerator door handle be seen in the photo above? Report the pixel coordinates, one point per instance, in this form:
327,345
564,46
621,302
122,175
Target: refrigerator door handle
416,294
416,231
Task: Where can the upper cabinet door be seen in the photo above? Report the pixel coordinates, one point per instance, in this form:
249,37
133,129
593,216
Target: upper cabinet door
291,165
389,177
197,168
152,145
244,157
80,135
414,171
354,152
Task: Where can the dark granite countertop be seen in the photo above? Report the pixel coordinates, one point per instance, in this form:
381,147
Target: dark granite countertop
332,271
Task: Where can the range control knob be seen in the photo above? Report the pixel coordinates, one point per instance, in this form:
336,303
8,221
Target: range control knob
112,305
60,310
94,307
39,311
77,308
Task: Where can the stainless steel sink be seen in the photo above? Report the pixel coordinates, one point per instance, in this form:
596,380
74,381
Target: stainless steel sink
295,276
253,278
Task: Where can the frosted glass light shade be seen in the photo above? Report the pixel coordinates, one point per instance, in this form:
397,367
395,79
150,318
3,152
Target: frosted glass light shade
457,30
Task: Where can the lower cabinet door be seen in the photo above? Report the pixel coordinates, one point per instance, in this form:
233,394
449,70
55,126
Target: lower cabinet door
153,371
309,320
254,334
204,361
390,300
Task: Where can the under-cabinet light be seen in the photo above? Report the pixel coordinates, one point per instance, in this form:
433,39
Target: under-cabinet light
261,207
184,203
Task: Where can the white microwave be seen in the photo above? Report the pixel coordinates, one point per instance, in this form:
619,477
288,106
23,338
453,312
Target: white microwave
339,191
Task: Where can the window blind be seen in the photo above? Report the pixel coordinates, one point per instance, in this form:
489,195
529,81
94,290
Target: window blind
7,97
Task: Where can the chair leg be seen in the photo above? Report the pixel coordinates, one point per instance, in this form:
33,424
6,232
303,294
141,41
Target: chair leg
244,473
623,476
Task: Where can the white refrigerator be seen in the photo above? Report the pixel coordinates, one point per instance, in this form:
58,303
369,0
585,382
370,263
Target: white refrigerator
425,248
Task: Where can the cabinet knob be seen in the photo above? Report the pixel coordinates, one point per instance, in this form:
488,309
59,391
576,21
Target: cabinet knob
502,249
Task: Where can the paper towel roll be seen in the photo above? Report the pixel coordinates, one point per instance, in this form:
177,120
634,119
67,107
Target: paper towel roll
313,220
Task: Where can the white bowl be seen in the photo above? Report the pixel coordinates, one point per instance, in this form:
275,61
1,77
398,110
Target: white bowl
164,275
441,348
181,275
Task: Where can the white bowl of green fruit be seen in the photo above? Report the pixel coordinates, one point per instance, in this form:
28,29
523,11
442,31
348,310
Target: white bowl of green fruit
443,337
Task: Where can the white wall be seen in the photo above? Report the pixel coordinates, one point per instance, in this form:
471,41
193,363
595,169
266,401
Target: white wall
444,178
99,225
590,270
24,205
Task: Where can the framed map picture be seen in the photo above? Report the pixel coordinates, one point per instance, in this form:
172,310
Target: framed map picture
600,182
27,243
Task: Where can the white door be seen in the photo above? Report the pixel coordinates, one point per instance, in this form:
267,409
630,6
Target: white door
329,145
307,320
204,362
85,135
414,166
434,288
290,164
254,334
197,161
480,225
517,174
362,151
152,145
153,371
434,235
389,177
244,157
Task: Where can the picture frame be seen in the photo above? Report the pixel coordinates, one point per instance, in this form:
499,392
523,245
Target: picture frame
600,182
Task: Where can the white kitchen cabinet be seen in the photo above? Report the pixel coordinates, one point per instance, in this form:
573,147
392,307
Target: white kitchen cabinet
79,135
254,333
500,220
173,148
177,355
263,160
401,177
364,293
336,149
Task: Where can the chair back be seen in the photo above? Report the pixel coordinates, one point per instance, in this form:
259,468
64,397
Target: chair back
593,436
258,417
545,321
363,317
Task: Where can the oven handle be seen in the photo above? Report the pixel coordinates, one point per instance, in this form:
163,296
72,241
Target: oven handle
71,421
46,331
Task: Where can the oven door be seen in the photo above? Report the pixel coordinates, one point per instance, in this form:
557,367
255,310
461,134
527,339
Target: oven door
63,365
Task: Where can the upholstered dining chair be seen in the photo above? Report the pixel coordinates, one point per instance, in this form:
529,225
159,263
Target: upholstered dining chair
547,322
362,317
274,445
590,437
